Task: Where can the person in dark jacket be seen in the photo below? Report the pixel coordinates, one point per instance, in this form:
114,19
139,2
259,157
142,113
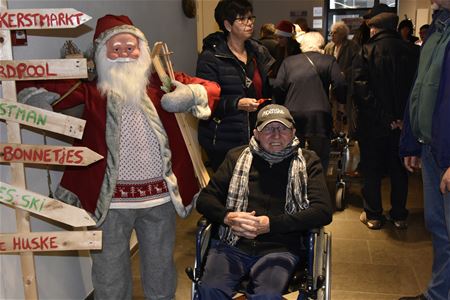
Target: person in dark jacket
344,50
425,143
383,74
362,33
240,66
406,29
422,34
268,39
302,85
264,197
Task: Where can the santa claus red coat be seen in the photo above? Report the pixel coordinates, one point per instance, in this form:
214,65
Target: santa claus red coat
92,187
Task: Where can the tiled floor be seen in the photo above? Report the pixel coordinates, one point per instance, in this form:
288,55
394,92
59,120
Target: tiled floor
366,264
384,264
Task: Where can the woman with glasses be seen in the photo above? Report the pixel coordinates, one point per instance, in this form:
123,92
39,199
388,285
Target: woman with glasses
239,65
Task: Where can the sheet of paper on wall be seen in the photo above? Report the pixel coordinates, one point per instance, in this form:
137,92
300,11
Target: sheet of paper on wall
317,23
317,11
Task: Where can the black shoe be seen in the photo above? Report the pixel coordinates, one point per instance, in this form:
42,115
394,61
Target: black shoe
418,297
398,224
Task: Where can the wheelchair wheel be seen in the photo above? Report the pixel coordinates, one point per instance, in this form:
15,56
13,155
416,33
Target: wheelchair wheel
339,197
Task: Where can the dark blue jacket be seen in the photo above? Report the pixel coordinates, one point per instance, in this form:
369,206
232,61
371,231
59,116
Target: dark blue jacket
440,139
229,127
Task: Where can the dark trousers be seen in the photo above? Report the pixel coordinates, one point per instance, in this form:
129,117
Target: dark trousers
381,156
226,266
320,145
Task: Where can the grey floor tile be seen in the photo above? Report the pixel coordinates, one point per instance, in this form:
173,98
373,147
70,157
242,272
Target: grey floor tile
371,278
354,229
345,295
348,250
422,271
390,252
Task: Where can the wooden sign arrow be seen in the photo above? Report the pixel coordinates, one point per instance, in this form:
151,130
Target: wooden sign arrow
44,206
50,241
41,118
48,155
48,18
43,69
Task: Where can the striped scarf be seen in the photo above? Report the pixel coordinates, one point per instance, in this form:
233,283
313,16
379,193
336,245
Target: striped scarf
296,189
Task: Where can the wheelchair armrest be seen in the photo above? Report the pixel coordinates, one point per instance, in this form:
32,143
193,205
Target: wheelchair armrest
202,222
202,241
319,257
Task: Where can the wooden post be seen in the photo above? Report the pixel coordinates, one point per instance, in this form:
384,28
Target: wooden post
186,122
17,172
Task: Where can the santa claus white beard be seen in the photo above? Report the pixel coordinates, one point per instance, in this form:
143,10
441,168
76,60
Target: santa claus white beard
127,79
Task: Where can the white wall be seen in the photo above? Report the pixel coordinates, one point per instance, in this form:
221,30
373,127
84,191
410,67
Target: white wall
67,275
160,20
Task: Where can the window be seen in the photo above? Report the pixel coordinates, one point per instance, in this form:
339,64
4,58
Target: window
351,12
357,4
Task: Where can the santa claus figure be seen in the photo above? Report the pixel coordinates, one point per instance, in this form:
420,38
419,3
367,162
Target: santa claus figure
146,176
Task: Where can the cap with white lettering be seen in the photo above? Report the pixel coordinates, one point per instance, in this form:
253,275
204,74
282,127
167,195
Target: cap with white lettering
274,113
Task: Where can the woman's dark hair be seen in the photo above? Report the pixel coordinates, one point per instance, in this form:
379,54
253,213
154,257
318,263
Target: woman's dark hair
229,9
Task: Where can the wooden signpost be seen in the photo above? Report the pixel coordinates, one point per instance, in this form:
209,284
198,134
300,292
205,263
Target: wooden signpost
50,241
48,18
44,206
15,194
48,155
41,118
43,69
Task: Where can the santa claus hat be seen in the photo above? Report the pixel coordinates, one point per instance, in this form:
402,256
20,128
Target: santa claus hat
110,25
284,28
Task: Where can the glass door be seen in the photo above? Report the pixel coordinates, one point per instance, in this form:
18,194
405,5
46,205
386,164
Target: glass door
351,12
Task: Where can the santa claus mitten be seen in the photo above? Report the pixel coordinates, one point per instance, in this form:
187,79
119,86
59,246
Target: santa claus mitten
40,98
191,98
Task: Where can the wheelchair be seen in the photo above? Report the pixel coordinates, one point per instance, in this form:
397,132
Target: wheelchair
339,166
311,279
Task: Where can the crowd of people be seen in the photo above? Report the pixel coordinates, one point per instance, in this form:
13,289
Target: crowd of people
358,86
361,86
268,110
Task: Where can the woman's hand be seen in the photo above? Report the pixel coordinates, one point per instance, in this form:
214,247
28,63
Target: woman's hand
248,104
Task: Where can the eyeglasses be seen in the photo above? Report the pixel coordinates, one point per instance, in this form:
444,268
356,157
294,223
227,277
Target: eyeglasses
246,20
280,129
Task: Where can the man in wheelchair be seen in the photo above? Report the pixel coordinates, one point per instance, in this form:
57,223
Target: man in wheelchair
263,197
